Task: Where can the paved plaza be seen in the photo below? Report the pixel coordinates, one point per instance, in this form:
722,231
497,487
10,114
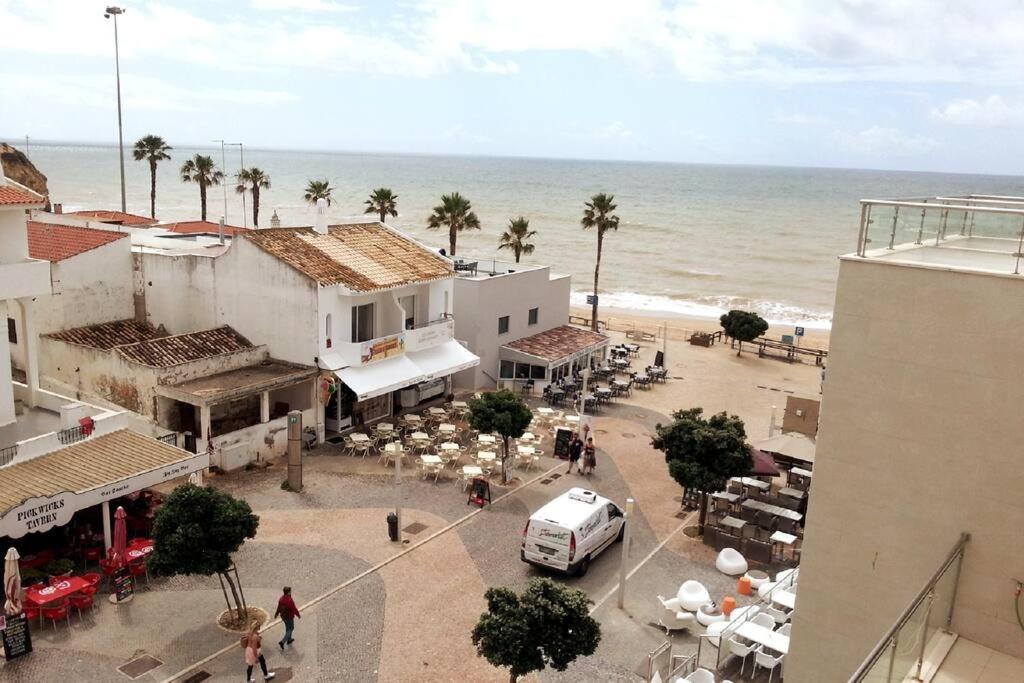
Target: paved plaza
390,612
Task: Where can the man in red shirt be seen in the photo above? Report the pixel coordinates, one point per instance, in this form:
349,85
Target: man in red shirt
287,610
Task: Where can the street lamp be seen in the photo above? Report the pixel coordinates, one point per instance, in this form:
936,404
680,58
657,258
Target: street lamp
113,11
241,166
224,185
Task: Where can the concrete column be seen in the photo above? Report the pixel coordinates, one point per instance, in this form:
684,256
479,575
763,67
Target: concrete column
265,406
31,344
204,422
108,541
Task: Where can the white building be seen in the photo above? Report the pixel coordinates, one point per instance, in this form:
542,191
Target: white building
497,303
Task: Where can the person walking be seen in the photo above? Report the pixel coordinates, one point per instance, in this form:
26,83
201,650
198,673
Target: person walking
287,610
589,456
254,653
575,451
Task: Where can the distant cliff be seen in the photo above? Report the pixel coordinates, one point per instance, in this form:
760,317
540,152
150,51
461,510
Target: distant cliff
18,168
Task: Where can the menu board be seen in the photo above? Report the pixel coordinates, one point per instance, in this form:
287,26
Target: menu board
17,639
124,587
562,438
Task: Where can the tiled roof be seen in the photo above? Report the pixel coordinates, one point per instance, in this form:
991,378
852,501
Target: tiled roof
104,459
51,242
558,342
114,217
362,257
13,194
106,336
165,352
194,227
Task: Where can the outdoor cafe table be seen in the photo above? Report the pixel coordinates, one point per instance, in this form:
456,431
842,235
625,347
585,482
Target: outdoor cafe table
437,411
460,405
546,412
772,509
419,436
486,438
527,436
764,636
791,493
450,446
725,495
486,456
783,598
572,419
801,472
782,538
138,549
733,523
359,437
756,483
384,427
472,471
526,450
446,428
58,591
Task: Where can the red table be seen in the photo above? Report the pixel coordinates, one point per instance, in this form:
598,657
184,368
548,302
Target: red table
138,549
44,595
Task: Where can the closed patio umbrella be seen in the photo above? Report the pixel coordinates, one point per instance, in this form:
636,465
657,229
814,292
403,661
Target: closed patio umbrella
12,583
764,464
120,537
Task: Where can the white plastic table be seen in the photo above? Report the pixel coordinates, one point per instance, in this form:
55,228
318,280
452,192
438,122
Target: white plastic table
359,437
472,471
526,450
764,636
574,419
420,436
527,436
801,472
437,411
782,538
486,438
486,456
547,412
449,446
385,427
791,493
725,495
431,459
783,598
446,428
733,523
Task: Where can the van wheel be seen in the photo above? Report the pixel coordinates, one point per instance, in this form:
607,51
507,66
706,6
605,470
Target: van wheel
622,534
584,566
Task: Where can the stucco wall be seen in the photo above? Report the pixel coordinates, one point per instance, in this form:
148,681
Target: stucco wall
13,237
7,415
180,291
92,287
919,441
478,303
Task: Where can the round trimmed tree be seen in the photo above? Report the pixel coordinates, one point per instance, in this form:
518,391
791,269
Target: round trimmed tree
503,413
743,326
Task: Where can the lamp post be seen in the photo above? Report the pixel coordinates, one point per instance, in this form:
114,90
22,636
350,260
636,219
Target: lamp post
113,12
624,560
224,185
241,167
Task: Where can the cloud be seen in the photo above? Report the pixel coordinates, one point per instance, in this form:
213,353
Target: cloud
991,112
890,142
302,5
797,119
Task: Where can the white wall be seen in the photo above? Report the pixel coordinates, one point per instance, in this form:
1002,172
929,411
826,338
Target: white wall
180,291
6,390
13,236
479,302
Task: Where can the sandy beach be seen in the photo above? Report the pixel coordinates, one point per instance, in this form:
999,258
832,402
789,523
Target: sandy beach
680,327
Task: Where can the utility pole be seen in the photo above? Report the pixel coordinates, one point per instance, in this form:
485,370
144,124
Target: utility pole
625,552
114,12
241,166
223,185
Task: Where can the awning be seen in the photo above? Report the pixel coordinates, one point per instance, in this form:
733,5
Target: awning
376,379
792,445
444,359
43,492
764,465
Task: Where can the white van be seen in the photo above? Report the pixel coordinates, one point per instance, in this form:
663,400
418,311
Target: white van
571,530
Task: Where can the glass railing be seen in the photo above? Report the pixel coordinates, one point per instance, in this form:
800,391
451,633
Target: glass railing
900,653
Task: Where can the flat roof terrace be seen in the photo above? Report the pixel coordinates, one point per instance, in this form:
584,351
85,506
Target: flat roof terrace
981,233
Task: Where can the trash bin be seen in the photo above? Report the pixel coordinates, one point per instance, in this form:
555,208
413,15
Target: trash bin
392,526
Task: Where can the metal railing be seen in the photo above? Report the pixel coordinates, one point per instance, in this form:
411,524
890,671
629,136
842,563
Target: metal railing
901,649
986,224
8,454
171,438
73,435
445,317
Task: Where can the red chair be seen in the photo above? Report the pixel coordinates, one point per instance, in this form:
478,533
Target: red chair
138,569
93,578
107,567
82,601
59,611
31,612
93,554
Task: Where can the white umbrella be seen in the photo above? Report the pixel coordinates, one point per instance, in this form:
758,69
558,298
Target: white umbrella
12,583
194,478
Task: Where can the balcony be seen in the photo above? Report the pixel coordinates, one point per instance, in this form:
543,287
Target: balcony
430,334
24,278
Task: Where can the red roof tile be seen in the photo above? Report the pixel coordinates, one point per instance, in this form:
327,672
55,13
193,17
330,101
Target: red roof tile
50,242
194,227
114,217
105,336
13,194
558,343
165,352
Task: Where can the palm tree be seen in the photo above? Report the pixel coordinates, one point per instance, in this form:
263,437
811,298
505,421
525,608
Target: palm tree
201,170
382,201
318,189
515,237
151,148
253,180
598,214
455,213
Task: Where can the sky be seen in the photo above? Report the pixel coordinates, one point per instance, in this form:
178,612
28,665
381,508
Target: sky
891,84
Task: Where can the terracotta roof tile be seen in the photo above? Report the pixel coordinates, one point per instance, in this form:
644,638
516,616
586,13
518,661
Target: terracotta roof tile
106,336
114,217
193,227
51,242
363,257
165,352
557,343
13,194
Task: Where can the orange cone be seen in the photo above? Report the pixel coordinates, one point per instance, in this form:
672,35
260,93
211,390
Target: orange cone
728,605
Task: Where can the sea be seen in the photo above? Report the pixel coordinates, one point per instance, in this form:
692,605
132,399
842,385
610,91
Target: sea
693,239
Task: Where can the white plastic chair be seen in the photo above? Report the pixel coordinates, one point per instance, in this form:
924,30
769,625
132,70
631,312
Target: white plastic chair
762,619
765,588
701,676
672,617
715,631
692,595
785,628
764,659
741,649
777,615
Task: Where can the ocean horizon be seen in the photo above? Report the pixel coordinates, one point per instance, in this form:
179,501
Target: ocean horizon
694,239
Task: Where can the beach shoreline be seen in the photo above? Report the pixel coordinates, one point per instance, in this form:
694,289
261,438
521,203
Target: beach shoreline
680,326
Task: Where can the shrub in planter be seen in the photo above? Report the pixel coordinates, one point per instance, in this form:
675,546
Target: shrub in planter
31,576
61,567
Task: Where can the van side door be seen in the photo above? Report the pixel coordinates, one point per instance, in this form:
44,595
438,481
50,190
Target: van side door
615,521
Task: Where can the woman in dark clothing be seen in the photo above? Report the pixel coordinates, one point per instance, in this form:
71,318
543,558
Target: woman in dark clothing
575,451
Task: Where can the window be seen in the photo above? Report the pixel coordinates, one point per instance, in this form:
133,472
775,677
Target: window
537,371
503,324
533,316
522,371
327,329
12,331
362,323
507,369
408,304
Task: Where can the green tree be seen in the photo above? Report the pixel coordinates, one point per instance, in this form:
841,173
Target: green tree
703,454
743,326
548,625
252,180
196,530
598,214
455,213
503,413
154,149
382,202
318,189
202,171
515,238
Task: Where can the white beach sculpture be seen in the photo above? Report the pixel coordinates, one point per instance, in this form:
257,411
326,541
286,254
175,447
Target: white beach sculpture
692,594
731,562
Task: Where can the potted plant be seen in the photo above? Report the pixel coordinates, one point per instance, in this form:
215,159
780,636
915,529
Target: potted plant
60,568
31,576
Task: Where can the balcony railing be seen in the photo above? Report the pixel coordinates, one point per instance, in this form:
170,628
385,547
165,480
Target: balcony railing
8,454
901,651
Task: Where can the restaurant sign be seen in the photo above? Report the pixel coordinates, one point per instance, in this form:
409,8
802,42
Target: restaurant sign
381,348
431,335
35,515
16,636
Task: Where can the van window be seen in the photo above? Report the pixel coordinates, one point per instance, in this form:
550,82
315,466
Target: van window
613,511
